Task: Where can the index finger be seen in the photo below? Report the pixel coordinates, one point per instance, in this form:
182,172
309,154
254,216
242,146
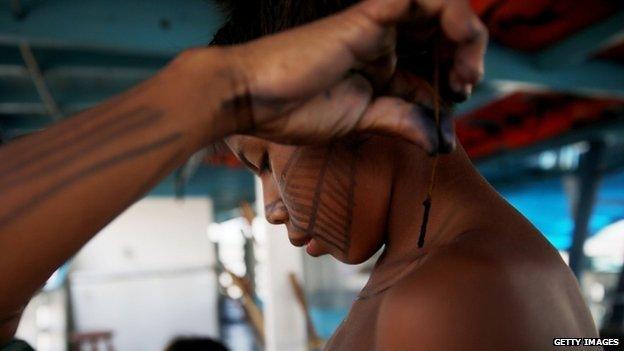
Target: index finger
462,26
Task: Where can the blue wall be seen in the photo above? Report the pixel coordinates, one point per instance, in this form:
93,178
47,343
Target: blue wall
546,205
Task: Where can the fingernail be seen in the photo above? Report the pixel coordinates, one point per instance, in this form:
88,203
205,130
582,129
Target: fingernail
445,148
456,97
429,127
433,143
436,136
456,86
447,145
447,135
457,93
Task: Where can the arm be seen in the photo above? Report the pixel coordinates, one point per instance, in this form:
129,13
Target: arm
62,185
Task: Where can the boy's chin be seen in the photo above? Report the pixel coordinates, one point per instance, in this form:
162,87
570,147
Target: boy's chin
352,258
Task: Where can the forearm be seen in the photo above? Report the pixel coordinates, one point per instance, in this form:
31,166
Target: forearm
61,186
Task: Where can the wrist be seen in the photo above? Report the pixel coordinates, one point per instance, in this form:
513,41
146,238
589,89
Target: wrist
197,87
232,98
219,90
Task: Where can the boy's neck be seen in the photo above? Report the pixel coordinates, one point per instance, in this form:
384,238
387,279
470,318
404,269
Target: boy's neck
458,191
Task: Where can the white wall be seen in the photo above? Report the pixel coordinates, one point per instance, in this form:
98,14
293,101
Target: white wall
43,321
149,276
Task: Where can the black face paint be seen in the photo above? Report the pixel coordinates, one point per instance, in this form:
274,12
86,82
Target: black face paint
318,185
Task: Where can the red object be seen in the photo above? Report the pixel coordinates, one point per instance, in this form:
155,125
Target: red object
531,25
223,158
522,119
614,53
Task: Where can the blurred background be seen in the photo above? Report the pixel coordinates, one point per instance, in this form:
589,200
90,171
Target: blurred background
192,259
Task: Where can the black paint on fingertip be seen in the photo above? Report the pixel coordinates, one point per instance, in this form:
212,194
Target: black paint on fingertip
430,113
446,147
455,96
430,130
448,139
434,144
440,142
445,142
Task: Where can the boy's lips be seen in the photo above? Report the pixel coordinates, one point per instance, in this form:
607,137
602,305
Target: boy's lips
313,249
312,246
301,241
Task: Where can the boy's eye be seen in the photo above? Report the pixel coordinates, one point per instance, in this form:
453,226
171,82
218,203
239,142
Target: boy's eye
265,164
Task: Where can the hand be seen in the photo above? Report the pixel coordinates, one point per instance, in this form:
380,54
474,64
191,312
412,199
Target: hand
318,81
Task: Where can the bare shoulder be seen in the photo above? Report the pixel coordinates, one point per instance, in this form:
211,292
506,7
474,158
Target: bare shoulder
445,305
466,301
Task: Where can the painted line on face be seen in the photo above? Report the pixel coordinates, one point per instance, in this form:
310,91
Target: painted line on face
318,190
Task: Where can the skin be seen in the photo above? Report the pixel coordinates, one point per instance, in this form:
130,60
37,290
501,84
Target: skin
485,279
62,185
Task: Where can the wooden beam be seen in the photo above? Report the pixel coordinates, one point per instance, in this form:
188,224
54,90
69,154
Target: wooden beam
37,77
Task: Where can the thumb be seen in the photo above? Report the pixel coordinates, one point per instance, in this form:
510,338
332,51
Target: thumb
394,116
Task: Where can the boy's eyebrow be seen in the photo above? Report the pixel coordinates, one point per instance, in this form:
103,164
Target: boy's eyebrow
247,163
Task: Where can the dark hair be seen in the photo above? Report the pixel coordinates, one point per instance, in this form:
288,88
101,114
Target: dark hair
251,19
195,344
